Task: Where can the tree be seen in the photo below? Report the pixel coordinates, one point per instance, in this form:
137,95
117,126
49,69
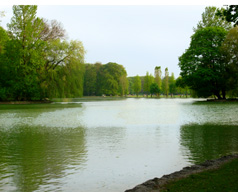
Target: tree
166,82
98,67
148,80
158,74
202,65
230,14
37,61
131,85
123,84
3,34
230,49
211,19
180,84
110,79
3,39
154,89
4,84
90,79
137,85
63,55
52,30
172,85
25,29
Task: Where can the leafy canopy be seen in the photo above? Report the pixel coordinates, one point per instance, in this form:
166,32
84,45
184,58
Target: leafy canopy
211,19
230,14
137,85
202,65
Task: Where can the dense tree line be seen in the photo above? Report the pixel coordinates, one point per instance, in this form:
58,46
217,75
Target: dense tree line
210,65
36,61
111,79
157,85
107,79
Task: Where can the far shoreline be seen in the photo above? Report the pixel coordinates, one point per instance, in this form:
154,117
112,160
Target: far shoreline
24,102
222,100
208,100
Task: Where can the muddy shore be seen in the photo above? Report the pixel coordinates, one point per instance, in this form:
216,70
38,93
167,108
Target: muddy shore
156,184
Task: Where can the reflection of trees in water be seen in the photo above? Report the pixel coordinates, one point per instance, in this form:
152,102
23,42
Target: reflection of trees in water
107,138
209,141
50,115
34,156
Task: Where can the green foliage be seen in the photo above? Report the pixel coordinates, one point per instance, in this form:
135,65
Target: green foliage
36,62
3,66
3,39
23,54
131,85
202,65
137,85
154,89
166,82
63,75
148,80
180,82
230,49
90,79
172,85
158,76
230,14
182,87
211,19
123,85
108,79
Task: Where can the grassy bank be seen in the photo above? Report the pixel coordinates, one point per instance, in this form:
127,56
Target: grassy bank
222,179
217,175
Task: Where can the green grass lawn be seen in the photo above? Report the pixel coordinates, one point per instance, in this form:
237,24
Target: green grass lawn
224,179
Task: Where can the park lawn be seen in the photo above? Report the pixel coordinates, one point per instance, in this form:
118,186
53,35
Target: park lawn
223,179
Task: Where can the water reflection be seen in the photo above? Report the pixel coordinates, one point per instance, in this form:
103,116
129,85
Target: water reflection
109,145
48,115
209,112
106,138
209,141
34,158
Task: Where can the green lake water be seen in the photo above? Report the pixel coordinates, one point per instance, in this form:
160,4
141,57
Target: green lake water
109,145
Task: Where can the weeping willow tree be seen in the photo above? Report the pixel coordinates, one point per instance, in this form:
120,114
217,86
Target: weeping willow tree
64,79
36,61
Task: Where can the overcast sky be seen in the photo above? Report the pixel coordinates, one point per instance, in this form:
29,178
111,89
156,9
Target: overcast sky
137,37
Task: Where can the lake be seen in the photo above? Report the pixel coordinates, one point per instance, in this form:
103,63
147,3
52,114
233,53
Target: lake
109,145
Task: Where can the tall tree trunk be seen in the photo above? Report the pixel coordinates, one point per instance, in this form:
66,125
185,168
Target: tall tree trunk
223,94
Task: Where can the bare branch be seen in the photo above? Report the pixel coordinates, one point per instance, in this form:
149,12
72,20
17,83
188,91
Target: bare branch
52,31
